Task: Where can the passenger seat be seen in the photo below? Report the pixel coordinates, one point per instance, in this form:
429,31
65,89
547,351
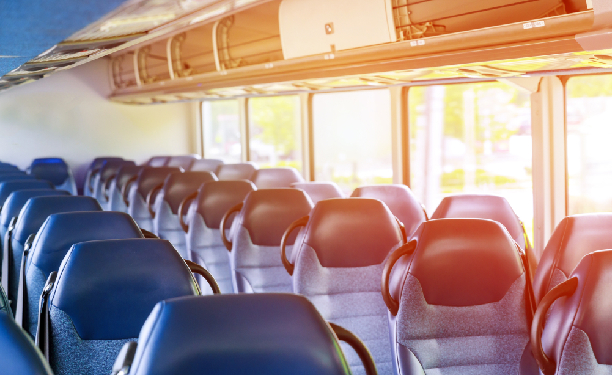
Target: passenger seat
181,161
274,178
237,171
116,192
107,173
18,354
158,161
93,170
56,171
206,165
8,187
317,191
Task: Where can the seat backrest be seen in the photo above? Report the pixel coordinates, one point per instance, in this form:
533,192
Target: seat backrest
4,167
115,197
108,171
8,187
400,200
54,170
463,289
150,177
181,161
103,294
93,170
339,261
274,178
204,242
574,237
15,176
206,165
18,354
317,191
577,335
259,228
237,171
56,237
157,161
277,334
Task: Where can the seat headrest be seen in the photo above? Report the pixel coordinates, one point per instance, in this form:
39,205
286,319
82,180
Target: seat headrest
150,177
37,209
181,161
8,187
15,176
268,213
400,200
179,185
60,231
56,173
482,206
111,168
98,162
206,165
273,178
353,232
9,168
15,202
259,333
238,171
464,262
48,161
317,191
125,173
158,161
108,288
216,198
18,354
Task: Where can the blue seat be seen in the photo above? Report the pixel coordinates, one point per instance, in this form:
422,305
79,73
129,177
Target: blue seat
56,171
107,173
206,165
104,292
256,239
400,200
6,167
120,185
52,242
181,161
262,334
274,178
18,354
139,195
15,176
338,264
8,187
93,170
317,191
204,242
237,171
174,190
157,161
29,221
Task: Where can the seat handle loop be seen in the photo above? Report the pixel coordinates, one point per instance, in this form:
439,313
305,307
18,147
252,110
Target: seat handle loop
106,186
301,222
181,211
402,230
125,190
196,268
223,226
565,289
364,354
151,199
406,249
44,325
92,176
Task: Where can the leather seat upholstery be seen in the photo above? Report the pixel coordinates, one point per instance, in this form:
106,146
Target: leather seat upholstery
237,171
256,239
115,190
400,200
8,187
204,241
56,171
206,165
108,172
274,178
29,221
55,238
18,354
148,179
577,336
317,191
338,266
463,298
181,161
574,237
103,294
278,334
176,188
93,170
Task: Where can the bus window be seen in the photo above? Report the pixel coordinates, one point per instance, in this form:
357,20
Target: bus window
221,130
352,138
589,160
472,138
274,132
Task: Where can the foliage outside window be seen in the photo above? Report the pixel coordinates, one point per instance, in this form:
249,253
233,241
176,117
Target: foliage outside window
221,130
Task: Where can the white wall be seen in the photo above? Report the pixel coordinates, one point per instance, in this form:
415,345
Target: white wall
67,115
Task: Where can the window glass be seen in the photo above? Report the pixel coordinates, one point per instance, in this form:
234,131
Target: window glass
274,132
221,130
472,138
352,138
589,131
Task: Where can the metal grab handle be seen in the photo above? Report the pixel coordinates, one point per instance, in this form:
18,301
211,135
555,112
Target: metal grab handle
224,220
125,190
42,337
364,354
21,286
565,289
402,230
181,210
106,186
196,268
151,198
8,253
92,174
301,222
405,249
